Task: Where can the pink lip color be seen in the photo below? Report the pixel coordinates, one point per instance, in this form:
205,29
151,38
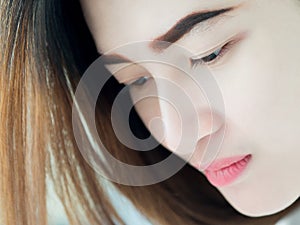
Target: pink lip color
224,171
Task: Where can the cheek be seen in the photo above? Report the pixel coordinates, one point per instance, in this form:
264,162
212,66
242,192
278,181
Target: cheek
261,100
259,90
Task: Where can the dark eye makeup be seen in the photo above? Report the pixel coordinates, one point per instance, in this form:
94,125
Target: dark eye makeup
212,58
140,81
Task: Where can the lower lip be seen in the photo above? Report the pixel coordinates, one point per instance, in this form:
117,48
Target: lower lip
227,174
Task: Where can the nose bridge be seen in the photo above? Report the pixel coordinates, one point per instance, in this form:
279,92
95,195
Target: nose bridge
185,103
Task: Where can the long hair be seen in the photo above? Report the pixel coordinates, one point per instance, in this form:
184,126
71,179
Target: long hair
45,48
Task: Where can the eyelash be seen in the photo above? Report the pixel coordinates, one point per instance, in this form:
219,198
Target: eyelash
195,62
140,81
221,52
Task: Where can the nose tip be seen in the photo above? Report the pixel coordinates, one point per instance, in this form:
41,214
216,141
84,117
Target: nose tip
210,137
210,122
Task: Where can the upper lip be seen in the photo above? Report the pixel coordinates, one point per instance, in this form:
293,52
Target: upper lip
222,163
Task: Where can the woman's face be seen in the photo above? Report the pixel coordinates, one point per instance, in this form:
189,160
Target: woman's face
252,51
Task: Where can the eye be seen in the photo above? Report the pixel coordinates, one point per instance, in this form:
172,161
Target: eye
212,58
140,81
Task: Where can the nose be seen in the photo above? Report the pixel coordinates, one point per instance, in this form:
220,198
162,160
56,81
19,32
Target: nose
211,134
210,121
188,112
185,126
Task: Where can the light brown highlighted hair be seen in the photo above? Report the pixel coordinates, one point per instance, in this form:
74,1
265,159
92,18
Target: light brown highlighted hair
45,46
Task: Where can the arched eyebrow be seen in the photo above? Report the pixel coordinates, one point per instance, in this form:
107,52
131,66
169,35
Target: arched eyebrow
175,33
184,26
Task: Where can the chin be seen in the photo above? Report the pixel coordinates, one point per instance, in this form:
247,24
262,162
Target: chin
256,213
266,210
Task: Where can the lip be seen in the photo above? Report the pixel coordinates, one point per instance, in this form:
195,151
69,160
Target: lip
225,171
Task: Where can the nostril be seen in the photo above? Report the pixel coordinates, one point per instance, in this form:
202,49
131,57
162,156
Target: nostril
208,147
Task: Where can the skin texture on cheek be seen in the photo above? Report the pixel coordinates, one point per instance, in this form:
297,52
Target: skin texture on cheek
273,125
259,80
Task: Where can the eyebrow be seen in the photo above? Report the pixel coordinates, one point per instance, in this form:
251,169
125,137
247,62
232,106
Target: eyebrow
184,26
114,59
181,28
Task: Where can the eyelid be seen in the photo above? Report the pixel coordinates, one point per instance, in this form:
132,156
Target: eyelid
211,50
133,81
232,39
222,50
224,47
128,73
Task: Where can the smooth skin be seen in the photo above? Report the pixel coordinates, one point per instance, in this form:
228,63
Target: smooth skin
259,77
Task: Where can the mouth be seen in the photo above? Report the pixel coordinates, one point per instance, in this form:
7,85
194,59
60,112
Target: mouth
225,171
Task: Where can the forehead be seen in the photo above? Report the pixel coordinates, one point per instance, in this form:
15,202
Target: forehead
114,23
